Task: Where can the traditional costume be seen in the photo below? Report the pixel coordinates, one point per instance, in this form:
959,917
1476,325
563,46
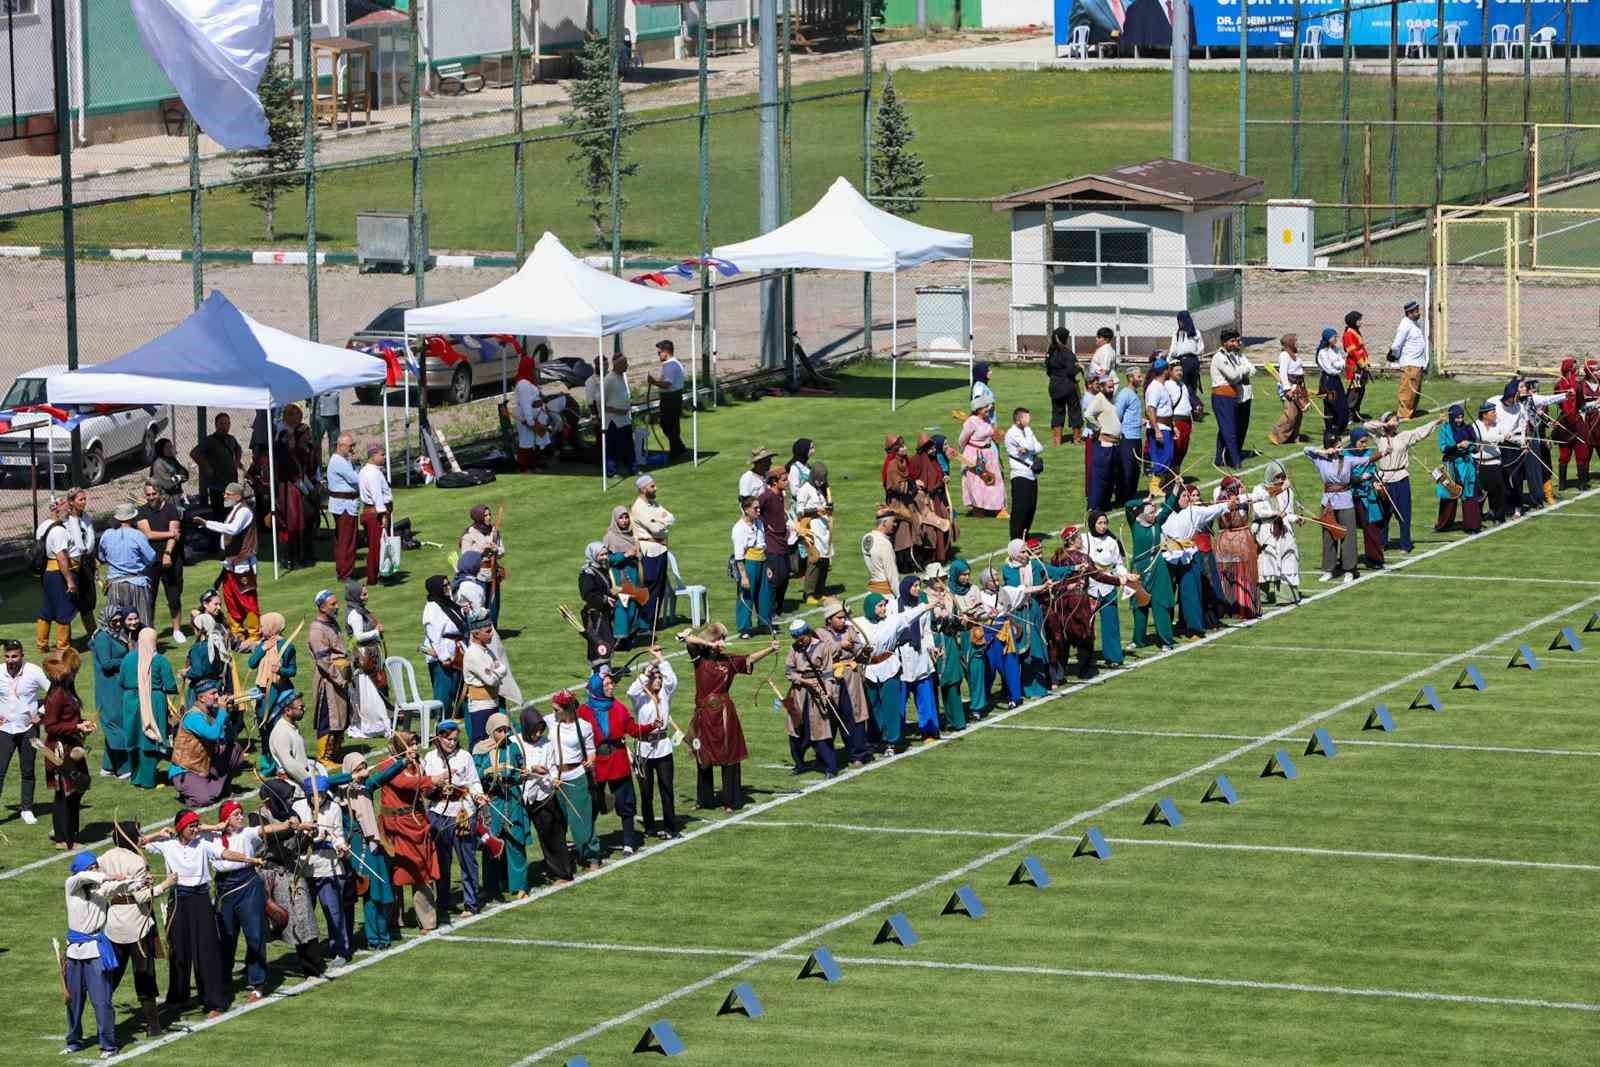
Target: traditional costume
238,531
1032,650
206,754
403,821
718,733
452,816
66,763
274,662
983,485
193,951
1357,369
319,810
573,740
594,590
1234,548
130,921
1337,472
1180,532
371,676
242,901
1273,517
334,692
807,706
540,786
1106,554
90,958
292,907
813,526
1456,478
147,685
108,648
653,711
952,645
847,652
613,769
629,617
1071,608
1144,533
900,496
917,662
444,629
371,879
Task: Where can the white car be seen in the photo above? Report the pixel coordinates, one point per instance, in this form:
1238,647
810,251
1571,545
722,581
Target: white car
109,432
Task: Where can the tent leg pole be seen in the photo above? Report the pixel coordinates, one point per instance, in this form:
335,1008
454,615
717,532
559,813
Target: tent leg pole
972,330
694,391
388,462
272,490
894,341
600,349
405,399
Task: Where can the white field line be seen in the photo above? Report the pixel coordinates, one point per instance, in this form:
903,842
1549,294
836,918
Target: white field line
1371,742
1514,580
810,936
1056,972
1589,515
994,719
1414,857
1321,651
1528,240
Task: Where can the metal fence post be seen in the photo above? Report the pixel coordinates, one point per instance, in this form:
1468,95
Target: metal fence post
705,209
1394,111
1345,53
1527,61
196,252
786,185
1047,255
419,255
866,161
518,174
1483,108
615,33
1294,105
69,240
1438,106
308,90
1566,87
1240,214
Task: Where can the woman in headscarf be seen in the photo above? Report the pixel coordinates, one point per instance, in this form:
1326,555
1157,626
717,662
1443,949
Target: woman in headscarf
982,395
1186,348
917,661
1367,491
465,584
1062,370
368,862
1234,546
210,658
718,733
949,632
501,769
109,647
813,507
444,630
291,900
1144,533
969,641
1071,612
1274,516
629,620
594,590
932,502
900,494
412,854
1330,384
371,711
1105,553
983,487
1570,432
1291,391
799,465
540,794
274,663
147,684
65,733
1357,369
1024,568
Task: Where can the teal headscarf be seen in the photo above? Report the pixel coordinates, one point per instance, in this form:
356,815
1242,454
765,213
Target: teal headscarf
961,576
871,605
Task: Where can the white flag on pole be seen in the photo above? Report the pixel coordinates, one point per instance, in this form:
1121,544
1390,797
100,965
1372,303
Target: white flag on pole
214,53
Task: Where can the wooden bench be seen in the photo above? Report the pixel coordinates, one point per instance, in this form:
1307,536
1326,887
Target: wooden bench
449,74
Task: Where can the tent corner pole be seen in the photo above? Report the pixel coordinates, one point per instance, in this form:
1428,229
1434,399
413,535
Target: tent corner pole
894,340
388,461
972,330
600,349
694,391
272,488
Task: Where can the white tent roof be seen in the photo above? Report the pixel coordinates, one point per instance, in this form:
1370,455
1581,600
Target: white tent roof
844,232
219,357
557,295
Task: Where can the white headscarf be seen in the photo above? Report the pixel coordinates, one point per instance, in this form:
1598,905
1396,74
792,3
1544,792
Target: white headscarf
216,642
147,654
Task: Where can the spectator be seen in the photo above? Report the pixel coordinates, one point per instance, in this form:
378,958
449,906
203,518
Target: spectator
22,687
218,456
162,526
128,558
168,474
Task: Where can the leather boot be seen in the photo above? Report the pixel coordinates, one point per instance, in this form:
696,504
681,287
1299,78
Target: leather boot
1055,435
152,1017
41,635
63,635
252,628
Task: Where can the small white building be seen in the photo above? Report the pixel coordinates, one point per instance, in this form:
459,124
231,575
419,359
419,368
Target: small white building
1132,247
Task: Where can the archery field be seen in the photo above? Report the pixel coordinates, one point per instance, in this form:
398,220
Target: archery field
1421,893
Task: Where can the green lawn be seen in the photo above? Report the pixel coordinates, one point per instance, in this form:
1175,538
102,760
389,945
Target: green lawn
1162,952
982,135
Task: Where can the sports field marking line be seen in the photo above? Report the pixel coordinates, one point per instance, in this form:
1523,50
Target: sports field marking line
811,936
1517,580
1339,651
994,719
1365,741
1527,240
1298,850
1052,972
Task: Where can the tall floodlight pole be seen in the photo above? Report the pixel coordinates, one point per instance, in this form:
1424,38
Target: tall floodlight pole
771,294
1180,80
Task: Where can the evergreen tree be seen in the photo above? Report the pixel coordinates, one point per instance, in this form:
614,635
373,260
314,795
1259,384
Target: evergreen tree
278,167
589,119
897,170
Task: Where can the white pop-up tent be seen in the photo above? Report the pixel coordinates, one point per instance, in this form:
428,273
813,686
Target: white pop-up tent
221,357
843,231
558,295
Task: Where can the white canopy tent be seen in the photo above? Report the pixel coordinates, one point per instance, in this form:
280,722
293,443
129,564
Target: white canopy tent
558,295
843,231
221,357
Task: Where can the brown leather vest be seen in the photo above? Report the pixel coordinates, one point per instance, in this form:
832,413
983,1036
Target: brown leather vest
190,752
242,545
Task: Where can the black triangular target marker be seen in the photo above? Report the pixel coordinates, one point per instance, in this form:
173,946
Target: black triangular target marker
660,1037
1379,719
742,1000
1220,791
1593,625
1321,744
1471,678
1523,657
1279,765
1163,812
897,929
965,902
1030,872
821,964
1427,697
1567,641
1093,844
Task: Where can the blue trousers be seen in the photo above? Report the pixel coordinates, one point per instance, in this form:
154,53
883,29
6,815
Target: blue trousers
827,755
1006,665
754,605
1336,403
86,981
888,708
1186,577
1162,448
1128,466
242,907
1229,451
450,847
1110,629
330,894
1398,504
1103,476
927,698
446,682
856,746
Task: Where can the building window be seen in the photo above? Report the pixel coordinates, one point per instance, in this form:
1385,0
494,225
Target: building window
1127,250
19,7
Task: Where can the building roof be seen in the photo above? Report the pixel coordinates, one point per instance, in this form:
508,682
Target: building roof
380,17
1159,182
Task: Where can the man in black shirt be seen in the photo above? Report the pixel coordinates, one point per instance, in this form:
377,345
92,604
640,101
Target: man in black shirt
775,522
162,525
218,457
1066,406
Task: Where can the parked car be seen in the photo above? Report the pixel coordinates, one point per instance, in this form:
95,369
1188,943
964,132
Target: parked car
457,364
109,432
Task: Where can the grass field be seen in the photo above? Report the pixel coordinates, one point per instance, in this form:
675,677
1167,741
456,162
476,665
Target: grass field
981,134
1426,893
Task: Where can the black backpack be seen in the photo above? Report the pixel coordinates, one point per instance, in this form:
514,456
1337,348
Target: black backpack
38,558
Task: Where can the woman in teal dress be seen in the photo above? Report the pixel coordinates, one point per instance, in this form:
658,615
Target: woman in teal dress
367,858
1020,569
147,684
210,656
1365,487
273,643
950,664
629,620
500,768
1144,531
975,665
109,647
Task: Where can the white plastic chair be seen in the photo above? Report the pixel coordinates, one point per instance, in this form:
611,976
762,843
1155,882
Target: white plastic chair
696,593
1517,39
1312,42
1078,43
1452,40
1500,37
403,687
1545,39
1415,43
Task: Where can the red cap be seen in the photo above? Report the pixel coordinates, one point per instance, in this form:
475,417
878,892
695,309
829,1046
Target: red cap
230,808
186,820
563,699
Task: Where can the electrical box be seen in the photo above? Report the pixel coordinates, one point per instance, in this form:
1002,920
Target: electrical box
1291,233
943,319
383,238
